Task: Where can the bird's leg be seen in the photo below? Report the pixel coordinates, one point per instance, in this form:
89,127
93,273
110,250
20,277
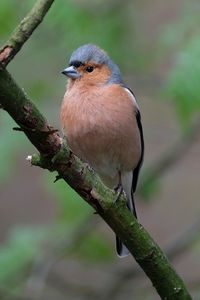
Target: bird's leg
119,188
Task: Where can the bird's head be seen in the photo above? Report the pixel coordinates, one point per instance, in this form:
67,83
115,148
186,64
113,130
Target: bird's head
92,65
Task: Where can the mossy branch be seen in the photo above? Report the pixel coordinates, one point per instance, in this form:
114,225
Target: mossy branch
56,156
24,30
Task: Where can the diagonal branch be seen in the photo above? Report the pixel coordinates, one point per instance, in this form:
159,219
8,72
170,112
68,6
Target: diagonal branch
176,249
24,30
57,157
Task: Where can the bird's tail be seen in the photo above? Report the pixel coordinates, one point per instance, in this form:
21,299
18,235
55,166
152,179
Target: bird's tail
122,251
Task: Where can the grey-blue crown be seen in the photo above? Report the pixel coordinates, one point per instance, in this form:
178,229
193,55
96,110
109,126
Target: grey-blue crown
90,52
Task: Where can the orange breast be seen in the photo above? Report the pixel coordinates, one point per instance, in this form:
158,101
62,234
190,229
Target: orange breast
101,127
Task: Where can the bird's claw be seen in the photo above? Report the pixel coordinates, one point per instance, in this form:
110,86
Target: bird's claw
118,190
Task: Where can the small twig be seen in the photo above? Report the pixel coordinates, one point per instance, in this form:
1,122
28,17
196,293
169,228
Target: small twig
58,177
24,30
29,158
17,129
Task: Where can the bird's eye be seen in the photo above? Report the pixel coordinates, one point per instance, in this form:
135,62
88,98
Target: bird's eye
89,69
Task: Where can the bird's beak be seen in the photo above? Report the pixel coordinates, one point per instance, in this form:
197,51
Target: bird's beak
71,72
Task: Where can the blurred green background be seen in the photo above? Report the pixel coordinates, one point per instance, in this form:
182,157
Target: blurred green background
52,246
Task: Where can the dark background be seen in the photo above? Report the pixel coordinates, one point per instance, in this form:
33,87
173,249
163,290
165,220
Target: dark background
52,246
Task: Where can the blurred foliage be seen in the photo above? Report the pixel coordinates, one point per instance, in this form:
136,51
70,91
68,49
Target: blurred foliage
95,249
11,144
183,82
8,16
72,212
148,185
176,35
17,255
70,206
182,86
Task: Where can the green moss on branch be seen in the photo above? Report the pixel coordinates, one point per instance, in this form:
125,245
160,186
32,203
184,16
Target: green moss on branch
24,30
27,116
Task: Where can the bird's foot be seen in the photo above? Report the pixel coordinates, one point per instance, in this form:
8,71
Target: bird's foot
91,169
118,190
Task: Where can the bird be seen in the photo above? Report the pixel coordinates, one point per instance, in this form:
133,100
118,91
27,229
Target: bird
101,122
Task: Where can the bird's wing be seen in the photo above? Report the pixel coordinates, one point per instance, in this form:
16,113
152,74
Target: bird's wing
137,169
139,124
132,177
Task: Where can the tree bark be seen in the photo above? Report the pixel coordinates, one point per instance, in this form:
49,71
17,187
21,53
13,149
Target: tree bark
24,30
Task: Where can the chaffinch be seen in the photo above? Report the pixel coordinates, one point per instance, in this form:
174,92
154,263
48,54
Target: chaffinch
101,121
